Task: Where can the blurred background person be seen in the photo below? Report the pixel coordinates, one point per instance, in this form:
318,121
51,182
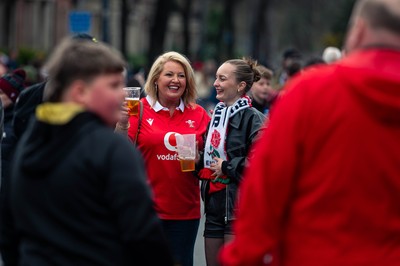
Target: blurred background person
261,93
331,54
78,192
170,108
10,87
204,73
291,64
323,186
232,131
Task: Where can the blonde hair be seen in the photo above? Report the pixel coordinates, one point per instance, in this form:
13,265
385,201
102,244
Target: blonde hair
190,94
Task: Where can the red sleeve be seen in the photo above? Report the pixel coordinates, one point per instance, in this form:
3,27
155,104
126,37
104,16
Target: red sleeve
267,188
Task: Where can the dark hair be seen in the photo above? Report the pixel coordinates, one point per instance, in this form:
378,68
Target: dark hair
380,15
314,61
291,53
294,68
79,60
246,70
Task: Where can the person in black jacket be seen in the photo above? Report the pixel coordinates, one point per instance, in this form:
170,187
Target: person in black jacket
231,133
78,192
11,85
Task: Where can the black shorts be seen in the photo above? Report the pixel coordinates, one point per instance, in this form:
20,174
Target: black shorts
216,226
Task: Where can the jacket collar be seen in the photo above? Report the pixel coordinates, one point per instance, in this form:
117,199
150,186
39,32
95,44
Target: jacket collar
57,113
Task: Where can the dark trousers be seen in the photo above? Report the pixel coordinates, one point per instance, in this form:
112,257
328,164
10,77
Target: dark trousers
181,236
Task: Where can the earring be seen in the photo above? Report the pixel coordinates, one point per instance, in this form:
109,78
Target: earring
156,86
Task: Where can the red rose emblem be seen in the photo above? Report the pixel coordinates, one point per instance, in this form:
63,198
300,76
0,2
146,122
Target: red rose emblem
215,139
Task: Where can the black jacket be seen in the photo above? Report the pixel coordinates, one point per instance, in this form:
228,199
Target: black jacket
79,197
25,107
8,142
7,151
242,131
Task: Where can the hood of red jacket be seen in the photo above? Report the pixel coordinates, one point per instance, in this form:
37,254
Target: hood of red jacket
374,77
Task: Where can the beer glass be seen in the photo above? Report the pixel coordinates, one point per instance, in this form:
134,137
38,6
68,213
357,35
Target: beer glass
186,146
132,99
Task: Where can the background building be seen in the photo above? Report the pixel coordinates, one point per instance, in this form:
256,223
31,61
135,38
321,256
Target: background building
201,29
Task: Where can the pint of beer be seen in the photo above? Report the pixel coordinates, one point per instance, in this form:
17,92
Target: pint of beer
132,96
187,165
186,147
133,105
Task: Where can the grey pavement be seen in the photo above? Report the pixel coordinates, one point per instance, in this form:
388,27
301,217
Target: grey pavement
199,255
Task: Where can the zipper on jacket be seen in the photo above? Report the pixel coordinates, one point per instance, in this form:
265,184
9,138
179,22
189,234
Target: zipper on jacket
226,204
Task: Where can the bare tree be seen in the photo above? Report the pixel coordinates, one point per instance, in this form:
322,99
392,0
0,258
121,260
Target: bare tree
158,28
227,32
125,11
6,22
185,10
260,28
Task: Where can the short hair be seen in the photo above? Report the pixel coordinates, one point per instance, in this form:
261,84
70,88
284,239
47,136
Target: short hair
76,59
291,53
380,14
246,70
190,93
265,72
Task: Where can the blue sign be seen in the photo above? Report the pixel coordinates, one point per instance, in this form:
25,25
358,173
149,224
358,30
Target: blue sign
79,21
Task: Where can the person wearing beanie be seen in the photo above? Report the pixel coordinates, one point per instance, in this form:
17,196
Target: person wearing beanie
11,85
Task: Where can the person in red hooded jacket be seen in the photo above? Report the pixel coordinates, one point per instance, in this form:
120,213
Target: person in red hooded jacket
323,187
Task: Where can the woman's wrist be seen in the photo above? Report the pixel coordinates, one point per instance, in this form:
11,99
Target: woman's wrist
122,127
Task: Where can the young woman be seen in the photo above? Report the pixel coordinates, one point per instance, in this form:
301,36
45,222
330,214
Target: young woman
232,130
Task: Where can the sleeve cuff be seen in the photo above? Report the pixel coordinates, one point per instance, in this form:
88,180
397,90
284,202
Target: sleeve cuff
224,167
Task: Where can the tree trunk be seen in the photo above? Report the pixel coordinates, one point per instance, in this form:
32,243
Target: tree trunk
227,37
105,19
158,29
186,25
6,23
124,26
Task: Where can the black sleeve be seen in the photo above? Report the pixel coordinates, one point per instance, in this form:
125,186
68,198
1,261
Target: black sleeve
25,107
129,197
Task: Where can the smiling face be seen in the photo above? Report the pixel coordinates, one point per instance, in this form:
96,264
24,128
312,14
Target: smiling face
171,84
226,85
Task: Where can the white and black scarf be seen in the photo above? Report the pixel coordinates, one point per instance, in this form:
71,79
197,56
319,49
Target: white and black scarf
215,143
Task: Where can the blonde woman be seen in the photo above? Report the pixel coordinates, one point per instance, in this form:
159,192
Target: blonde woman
168,109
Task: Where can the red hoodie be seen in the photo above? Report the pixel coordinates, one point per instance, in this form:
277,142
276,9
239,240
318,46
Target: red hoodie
324,185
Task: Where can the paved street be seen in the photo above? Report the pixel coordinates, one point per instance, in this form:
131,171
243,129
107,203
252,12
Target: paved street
199,255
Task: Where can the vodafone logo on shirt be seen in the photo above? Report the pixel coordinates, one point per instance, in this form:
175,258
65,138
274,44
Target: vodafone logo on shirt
170,144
